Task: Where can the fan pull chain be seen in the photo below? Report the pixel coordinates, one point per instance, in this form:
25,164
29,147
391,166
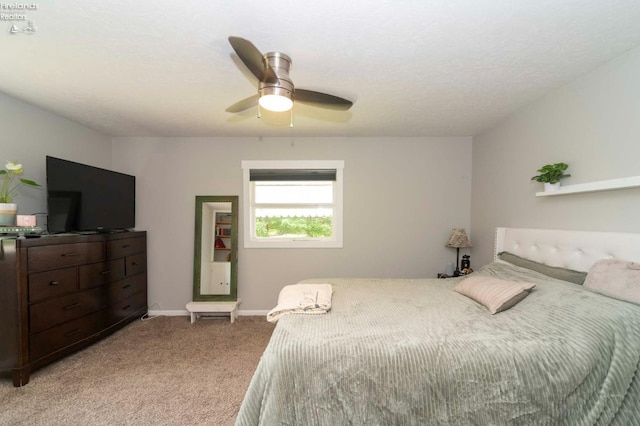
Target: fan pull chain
291,118
259,113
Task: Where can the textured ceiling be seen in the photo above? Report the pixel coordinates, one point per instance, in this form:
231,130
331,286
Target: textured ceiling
412,67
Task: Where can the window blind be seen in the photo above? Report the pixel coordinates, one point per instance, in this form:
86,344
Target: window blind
292,175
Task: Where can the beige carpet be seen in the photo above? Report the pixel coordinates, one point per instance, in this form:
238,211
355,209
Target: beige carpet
164,371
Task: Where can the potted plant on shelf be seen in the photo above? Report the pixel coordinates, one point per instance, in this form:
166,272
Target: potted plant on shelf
11,182
551,174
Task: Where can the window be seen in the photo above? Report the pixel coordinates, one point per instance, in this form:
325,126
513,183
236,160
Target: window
292,204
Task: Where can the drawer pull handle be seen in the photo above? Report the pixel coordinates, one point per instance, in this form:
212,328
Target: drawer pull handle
133,263
75,253
126,286
108,271
54,283
73,306
72,332
126,307
126,246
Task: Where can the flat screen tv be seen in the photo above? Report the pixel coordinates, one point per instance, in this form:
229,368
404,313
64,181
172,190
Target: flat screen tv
83,198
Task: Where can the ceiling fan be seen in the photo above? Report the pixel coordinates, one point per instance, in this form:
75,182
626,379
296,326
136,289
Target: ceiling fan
276,91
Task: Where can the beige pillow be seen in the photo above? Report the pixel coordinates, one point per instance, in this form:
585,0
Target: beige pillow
495,294
615,278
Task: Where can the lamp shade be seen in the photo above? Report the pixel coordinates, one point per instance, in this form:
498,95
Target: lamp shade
458,239
275,99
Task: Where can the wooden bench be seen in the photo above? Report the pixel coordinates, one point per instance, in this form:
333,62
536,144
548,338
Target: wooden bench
198,308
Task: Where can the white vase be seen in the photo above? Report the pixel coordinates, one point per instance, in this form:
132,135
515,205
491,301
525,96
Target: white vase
8,212
551,187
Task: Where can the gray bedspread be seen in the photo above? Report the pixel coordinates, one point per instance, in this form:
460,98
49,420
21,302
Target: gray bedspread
413,352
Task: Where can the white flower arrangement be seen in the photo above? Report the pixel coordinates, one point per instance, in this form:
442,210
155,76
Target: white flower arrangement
12,181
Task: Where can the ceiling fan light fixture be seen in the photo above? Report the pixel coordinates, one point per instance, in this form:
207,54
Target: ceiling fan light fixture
276,91
276,99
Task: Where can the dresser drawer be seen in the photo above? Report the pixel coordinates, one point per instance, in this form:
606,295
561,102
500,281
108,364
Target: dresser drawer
52,312
126,288
66,334
43,285
135,264
125,247
61,255
121,310
97,274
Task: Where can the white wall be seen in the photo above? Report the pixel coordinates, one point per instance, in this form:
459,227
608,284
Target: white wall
402,197
593,124
30,133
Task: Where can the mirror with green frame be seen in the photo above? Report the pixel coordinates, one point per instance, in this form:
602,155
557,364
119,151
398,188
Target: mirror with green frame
215,261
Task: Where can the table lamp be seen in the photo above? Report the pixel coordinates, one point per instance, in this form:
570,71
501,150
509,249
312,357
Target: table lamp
458,240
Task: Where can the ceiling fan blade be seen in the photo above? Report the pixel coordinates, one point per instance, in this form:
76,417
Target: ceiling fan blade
252,58
244,104
322,100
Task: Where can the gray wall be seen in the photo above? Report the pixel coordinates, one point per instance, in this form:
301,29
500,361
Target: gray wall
402,196
593,124
30,133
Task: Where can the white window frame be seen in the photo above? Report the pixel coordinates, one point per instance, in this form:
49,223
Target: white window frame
248,209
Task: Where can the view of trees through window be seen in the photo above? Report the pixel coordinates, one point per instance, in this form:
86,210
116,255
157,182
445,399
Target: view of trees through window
293,209
316,227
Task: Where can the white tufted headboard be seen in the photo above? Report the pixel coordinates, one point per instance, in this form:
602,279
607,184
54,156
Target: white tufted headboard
576,250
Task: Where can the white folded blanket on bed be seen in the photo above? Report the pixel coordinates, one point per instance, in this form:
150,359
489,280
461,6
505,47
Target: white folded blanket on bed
302,299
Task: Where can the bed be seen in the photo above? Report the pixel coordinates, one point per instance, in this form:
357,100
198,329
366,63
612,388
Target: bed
415,352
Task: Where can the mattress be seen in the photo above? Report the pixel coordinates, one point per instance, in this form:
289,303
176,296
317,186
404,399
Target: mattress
414,352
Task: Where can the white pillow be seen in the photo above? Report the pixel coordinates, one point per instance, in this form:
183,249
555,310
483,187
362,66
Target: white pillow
495,294
615,278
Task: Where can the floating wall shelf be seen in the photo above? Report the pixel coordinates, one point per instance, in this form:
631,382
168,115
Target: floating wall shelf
603,185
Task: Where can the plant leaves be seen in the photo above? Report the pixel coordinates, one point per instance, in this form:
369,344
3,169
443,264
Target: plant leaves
551,173
28,182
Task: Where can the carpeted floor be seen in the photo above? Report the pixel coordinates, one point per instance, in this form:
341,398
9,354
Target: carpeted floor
163,371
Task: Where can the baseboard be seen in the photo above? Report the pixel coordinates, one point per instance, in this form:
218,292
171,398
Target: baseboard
252,313
184,313
165,313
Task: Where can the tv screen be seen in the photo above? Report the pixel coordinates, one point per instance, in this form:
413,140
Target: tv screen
86,198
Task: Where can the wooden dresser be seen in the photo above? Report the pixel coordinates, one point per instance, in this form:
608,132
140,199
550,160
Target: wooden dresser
59,294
